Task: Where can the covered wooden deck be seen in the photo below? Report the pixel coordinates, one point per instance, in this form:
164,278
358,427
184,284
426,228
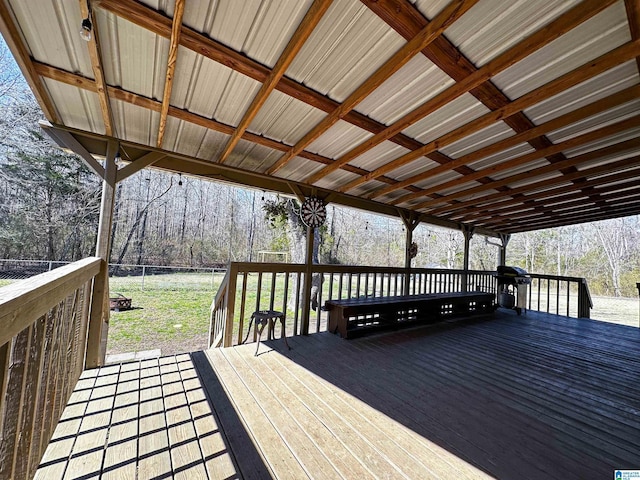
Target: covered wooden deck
536,396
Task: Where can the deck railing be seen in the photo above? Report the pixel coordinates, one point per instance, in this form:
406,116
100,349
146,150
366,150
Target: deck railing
43,337
560,295
249,287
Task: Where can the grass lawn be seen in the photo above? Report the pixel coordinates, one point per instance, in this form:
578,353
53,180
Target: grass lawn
171,313
174,321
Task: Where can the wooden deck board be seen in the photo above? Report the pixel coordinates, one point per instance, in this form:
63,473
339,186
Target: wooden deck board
531,397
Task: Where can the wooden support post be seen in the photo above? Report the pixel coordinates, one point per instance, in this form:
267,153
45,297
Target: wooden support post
503,250
99,317
308,280
467,231
410,221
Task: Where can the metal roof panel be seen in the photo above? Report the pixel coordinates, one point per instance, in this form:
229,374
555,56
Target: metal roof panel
493,26
379,155
347,46
50,29
285,119
491,134
614,115
598,35
411,86
461,111
601,86
77,108
339,139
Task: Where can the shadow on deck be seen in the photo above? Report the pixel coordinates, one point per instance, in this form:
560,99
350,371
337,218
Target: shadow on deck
537,396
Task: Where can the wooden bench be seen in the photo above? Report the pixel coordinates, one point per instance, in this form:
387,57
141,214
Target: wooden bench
355,316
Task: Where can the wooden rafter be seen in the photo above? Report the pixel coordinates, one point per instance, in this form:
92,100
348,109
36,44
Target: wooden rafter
555,124
496,215
524,159
11,35
633,16
478,201
157,23
539,39
593,215
172,60
428,34
570,79
98,73
405,19
184,115
302,33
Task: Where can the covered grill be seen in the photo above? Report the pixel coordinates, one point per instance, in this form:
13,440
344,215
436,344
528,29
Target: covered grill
512,287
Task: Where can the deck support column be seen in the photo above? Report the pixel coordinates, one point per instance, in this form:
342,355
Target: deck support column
504,238
308,280
99,317
468,232
410,221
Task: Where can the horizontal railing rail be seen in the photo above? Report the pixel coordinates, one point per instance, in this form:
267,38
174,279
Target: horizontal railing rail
249,287
559,295
275,286
43,338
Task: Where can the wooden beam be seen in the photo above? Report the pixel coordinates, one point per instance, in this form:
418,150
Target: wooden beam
603,132
98,73
172,60
99,317
479,201
599,185
302,33
20,52
555,124
406,19
151,104
543,210
428,34
593,215
65,140
139,164
568,80
544,36
633,15
159,24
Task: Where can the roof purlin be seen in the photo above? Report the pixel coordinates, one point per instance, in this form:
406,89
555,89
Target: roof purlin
151,104
424,37
302,33
539,39
157,23
599,170
579,140
405,18
591,109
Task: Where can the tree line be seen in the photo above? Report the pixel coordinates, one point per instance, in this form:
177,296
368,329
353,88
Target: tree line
49,207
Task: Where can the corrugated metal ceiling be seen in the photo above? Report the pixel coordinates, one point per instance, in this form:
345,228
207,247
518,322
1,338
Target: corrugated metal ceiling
232,47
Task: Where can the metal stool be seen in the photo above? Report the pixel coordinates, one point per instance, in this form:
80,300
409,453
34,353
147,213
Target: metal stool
264,317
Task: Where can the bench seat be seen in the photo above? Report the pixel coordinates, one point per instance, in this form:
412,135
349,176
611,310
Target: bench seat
355,316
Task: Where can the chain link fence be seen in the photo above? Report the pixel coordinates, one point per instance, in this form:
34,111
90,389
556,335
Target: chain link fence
124,276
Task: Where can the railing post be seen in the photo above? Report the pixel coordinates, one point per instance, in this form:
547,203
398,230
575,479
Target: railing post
638,287
99,319
467,231
584,300
308,273
231,306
